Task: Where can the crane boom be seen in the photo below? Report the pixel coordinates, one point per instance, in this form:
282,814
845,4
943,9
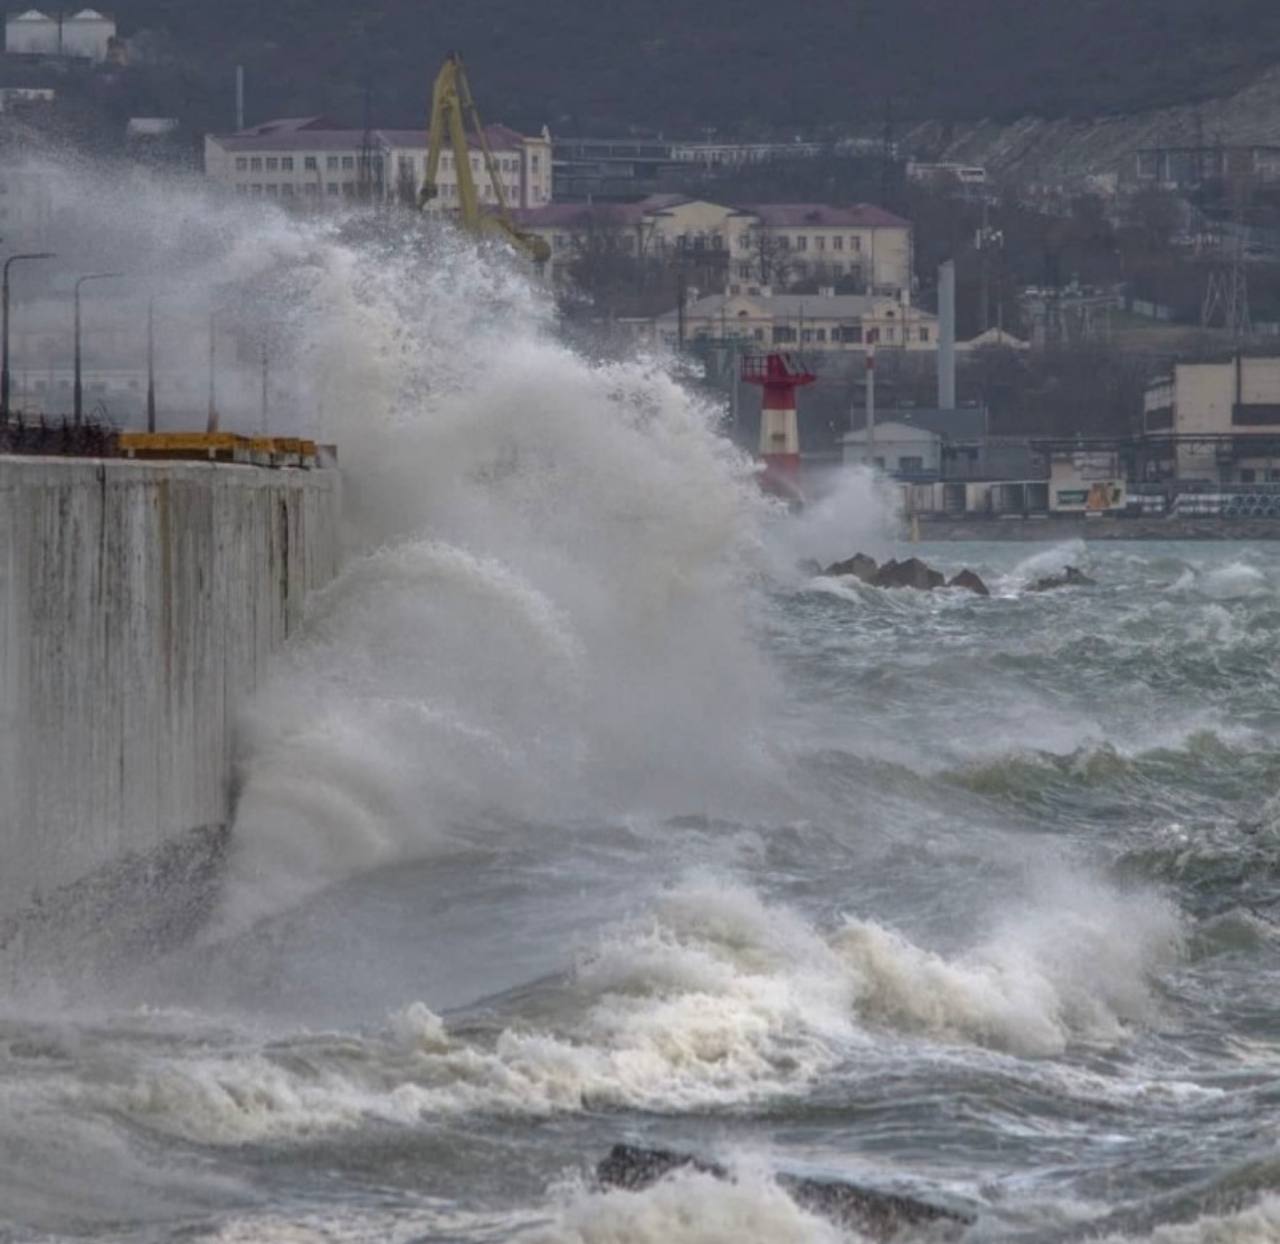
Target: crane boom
452,110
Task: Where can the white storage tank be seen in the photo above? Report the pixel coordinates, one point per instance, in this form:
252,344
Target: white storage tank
88,34
31,34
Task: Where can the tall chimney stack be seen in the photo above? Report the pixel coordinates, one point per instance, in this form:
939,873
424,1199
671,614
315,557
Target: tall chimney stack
947,336
239,98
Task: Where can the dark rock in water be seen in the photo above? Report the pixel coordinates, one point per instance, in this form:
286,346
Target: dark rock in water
878,1215
633,1168
910,573
859,565
810,567
968,579
1070,577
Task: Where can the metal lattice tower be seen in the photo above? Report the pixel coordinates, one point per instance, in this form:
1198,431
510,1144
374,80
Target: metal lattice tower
1226,297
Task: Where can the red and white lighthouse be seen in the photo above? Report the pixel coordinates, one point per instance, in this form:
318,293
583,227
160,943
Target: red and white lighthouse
779,378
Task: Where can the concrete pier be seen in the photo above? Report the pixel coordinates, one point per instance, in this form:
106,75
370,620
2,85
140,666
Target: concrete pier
139,603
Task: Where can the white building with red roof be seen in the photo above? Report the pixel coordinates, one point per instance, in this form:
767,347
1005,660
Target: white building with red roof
311,160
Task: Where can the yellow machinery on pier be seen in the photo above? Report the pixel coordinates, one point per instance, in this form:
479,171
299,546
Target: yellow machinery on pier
452,109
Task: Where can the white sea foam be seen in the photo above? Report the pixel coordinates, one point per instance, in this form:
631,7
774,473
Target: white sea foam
547,615
688,1209
1050,561
857,511
713,998
1259,1224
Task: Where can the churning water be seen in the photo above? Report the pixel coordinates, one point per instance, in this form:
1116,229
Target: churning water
577,814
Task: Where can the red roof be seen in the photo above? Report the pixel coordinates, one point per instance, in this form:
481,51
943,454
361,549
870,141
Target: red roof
569,215
819,215
500,138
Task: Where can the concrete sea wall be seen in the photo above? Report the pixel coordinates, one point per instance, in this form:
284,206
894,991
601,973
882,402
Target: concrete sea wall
139,604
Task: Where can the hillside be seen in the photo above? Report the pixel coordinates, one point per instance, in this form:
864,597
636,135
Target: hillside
581,66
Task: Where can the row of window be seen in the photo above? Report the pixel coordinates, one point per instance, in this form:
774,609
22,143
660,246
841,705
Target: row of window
285,164
748,271
849,334
287,190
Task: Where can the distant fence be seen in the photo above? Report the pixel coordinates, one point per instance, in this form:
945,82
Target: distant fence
62,437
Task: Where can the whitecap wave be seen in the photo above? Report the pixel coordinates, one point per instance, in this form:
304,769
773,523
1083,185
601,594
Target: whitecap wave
687,1208
712,999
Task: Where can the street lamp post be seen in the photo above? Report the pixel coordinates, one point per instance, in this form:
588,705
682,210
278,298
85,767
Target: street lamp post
4,329
79,387
211,424
151,363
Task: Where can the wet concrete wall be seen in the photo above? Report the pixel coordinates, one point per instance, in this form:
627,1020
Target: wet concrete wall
139,604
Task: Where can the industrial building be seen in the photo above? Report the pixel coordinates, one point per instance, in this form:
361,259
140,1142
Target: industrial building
1217,422
311,160
604,169
86,35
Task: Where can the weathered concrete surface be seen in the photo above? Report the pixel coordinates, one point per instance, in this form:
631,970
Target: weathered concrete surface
139,603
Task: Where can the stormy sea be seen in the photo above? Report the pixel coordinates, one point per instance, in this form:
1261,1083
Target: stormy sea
579,814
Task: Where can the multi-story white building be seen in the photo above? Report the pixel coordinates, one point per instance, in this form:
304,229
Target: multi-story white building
87,34
772,244
309,160
756,317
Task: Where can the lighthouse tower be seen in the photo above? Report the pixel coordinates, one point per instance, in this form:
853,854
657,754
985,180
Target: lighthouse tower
779,378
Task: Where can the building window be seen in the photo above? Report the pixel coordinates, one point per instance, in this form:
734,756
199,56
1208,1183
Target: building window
286,189
273,189
802,243
241,164
758,334
806,335
855,245
535,164
256,187
348,161
851,334
311,188
286,163
837,243
784,243
744,271
331,162
1247,476
821,334
255,164
911,465
273,164
820,244
783,333
891,333
924,334
309,163
348,188
332,188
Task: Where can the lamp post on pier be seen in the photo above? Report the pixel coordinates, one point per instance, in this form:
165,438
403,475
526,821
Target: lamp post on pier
4,329
151,363
211,423
78,396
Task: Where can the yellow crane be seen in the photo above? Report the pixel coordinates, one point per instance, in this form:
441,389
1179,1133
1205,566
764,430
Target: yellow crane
452,108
